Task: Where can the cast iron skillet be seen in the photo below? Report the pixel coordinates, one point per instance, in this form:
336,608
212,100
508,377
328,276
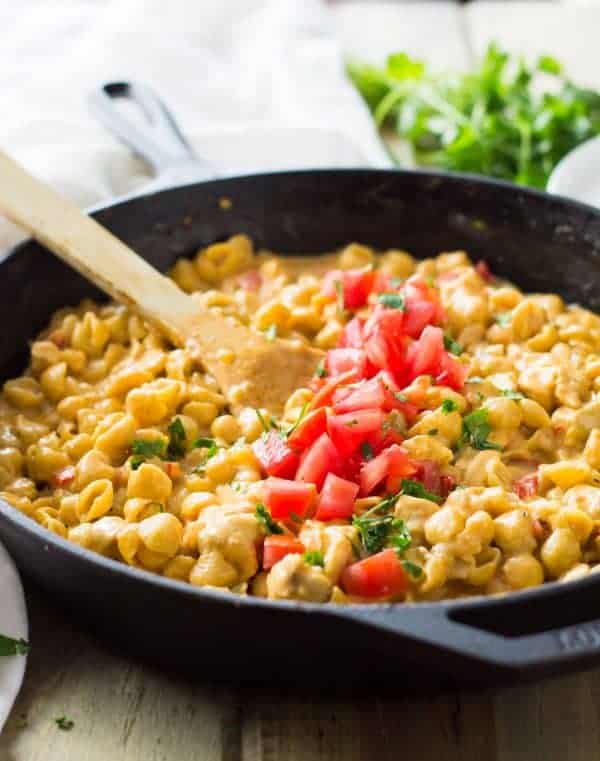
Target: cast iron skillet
542,243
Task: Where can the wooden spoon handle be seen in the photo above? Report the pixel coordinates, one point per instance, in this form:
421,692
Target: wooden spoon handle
93,251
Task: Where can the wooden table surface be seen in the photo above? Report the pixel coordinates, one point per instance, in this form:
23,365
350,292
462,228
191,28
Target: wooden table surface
125,711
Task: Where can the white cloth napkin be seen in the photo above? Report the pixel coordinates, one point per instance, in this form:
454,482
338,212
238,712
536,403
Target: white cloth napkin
219,64
256,70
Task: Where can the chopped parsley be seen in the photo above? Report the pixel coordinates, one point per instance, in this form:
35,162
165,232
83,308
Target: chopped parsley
416,489
264,518
296,518
401,397
366,450
263,422
433,432
177,438
314,558
271,332
209,444
321,372
476,430
503,319
65,723
299,420
392,301
412,569
510,394
379,529
340,297
143,449
11,646
452,346
448,406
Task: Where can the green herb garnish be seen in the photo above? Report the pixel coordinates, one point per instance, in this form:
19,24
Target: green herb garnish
392,301
11,646
378,528
314,558
432,432
401,397
151,448
271,332
503,319
177,438
65,723
412,569
264,518
505,118
321,372
263,422
143,449
476,430
416,489
296,518
448,406
510,394
209,444
452,346
366,450
299,420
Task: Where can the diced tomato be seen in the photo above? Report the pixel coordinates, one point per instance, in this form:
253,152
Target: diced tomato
352,337
452,372
483,270
428,473
392,464
379,576
324,395
250,280
366,395
63,477
399,467
423,306
339,361
385,340
277,547
350,430
308,430
356,285
173,470
322,458
426,353
418,314
447,484
526,486
275,456
283,497
385,283
337,499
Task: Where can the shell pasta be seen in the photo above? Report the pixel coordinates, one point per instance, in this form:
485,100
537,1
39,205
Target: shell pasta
448,444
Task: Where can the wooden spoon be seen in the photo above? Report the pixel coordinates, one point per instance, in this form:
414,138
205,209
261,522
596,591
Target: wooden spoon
250,369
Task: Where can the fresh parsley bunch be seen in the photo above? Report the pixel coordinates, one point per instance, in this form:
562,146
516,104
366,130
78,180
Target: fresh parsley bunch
505,119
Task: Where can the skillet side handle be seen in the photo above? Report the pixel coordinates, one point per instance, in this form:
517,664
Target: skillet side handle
158,140
433,625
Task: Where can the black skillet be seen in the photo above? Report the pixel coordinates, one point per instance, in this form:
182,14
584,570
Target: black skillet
541,242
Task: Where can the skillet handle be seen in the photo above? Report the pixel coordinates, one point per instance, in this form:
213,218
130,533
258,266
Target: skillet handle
158,140
435,626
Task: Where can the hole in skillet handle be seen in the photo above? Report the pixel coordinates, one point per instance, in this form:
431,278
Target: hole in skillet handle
439,635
